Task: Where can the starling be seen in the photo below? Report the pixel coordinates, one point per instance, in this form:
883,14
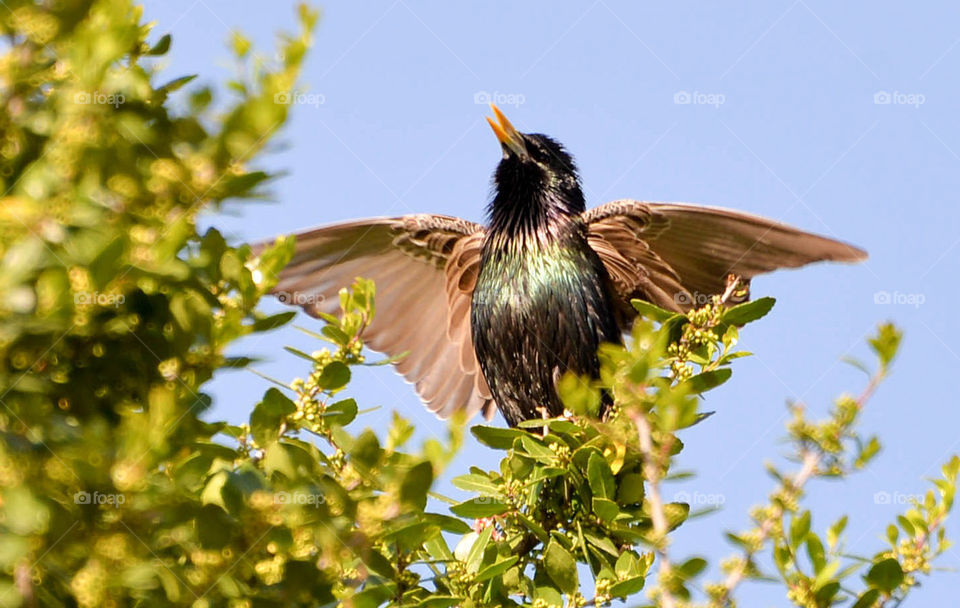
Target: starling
492,316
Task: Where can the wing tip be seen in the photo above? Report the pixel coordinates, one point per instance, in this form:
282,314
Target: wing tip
848,253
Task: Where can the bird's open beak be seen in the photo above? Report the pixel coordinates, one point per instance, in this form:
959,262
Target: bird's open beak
510,138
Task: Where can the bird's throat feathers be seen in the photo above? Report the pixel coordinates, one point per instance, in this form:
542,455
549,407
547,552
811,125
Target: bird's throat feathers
535,209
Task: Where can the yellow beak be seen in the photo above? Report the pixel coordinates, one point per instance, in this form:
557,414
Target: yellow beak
510,138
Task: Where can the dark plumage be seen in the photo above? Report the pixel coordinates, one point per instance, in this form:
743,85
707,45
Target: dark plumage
493,316
541,305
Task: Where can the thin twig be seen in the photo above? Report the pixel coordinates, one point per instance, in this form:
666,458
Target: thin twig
651,470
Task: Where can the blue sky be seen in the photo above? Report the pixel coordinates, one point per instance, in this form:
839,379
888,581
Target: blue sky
839,118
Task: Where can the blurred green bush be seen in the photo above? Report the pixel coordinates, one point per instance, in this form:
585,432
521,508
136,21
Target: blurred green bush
114,312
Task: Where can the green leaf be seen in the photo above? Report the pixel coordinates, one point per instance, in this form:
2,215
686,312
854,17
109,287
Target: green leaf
736,540
825,575
606,545
276,459
176,83
651,311
676,513
496,568
366,451
437,548
867,452
692,567
336,335
548,595
335,376
627,565
630,489
267,416
886,343
815,552
892,534
273,321
475,555
219,491
600,477
628,587
534,527
161,47
416,483
834,532
741,314
447,523
799,528
379,564
474,482
867,599
886,575
240,43
826,593
708,380
478,507
409,537
561,567
906,525
537,450
496,437
556,425
607,510
104,267
341,412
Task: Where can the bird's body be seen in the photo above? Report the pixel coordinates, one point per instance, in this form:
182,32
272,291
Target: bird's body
540,308
493,315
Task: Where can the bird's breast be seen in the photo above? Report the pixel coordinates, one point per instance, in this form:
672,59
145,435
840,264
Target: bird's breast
536,314
533,282
546,302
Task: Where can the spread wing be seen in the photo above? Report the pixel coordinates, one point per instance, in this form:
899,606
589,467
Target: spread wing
425,268
673,254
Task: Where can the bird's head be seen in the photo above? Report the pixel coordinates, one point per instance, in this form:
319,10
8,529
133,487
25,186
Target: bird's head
535,174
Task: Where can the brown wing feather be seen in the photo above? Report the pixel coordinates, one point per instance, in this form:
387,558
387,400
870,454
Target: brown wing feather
422,266
673,253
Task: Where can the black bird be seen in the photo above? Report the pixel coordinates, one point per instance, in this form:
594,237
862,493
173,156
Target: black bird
493,315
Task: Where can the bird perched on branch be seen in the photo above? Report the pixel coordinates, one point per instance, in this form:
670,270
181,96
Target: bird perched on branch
492,315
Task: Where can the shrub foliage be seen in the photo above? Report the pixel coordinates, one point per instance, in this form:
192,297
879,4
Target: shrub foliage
117,489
